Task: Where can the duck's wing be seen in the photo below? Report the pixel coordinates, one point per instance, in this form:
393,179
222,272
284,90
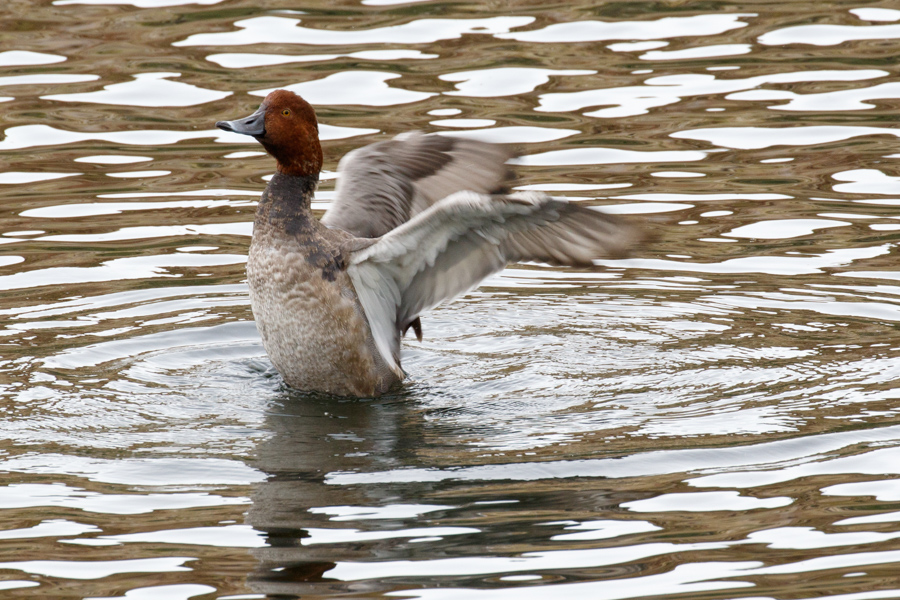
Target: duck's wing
449,248
383,185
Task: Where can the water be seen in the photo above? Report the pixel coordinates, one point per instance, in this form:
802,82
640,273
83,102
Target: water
715,417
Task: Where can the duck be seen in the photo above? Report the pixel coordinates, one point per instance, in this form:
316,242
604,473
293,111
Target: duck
416,220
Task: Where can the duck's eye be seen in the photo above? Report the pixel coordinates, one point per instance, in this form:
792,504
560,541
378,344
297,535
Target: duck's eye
286,112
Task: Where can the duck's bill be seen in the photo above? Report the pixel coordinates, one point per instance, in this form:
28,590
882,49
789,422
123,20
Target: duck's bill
254,125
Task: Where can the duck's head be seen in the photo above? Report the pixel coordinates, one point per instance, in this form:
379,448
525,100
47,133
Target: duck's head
285,124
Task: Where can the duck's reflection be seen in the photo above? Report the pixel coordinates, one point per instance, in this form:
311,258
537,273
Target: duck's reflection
312,436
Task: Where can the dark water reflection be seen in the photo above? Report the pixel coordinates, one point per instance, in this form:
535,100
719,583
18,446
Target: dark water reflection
715,417
312,437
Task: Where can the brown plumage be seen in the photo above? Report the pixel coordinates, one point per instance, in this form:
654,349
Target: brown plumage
416,220
292,134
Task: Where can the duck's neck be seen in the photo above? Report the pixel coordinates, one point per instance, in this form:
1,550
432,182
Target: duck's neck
285,203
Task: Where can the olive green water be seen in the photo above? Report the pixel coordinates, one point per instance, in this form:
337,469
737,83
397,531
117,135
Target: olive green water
713,418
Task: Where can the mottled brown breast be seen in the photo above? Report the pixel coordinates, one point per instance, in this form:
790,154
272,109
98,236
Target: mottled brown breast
306,309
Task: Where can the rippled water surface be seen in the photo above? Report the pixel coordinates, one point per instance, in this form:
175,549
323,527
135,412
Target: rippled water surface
715,417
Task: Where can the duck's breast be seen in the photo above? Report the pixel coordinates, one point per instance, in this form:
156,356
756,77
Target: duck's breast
310,320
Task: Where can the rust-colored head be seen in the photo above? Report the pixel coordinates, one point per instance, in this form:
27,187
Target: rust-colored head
286,126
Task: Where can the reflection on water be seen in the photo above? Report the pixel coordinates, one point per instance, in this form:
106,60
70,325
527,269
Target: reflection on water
714,417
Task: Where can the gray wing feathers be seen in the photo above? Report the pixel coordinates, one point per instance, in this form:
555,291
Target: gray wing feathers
383,185
449,248
379,296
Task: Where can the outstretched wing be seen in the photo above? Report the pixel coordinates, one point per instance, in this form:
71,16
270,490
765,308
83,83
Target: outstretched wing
383,185
449,248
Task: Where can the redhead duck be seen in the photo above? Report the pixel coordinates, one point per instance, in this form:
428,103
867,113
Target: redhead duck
416,220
